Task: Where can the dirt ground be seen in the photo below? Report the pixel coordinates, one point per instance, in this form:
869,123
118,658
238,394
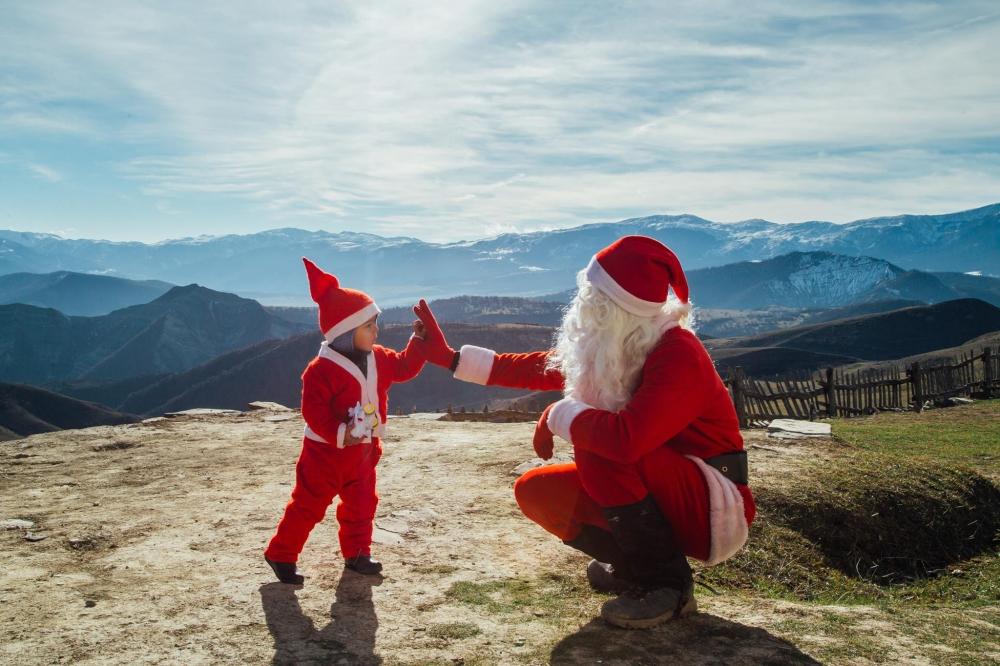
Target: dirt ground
152,553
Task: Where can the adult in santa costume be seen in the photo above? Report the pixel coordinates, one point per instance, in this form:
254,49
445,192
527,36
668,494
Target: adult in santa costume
659,469
344,404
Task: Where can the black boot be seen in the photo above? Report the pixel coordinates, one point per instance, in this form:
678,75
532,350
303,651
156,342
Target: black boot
286,572
364,564
609,570
663,583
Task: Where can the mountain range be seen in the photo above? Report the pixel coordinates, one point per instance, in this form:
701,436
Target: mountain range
182,328
395,270
881,336
81,294
269,370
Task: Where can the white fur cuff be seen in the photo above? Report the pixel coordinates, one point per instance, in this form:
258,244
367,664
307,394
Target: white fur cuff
726,518
474,364
562,414
341,429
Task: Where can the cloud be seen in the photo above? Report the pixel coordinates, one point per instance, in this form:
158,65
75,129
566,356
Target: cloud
45,173
447,121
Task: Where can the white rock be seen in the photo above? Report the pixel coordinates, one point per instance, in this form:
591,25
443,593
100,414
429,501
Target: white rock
279,417
16,524
269,406
793,429
203,411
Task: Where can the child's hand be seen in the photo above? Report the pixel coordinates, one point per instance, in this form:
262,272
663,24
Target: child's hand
437,349
419,329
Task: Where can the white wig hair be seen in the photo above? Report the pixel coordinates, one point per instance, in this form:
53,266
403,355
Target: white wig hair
600,347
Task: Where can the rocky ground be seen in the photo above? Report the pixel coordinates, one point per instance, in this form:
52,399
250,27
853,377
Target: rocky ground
142,544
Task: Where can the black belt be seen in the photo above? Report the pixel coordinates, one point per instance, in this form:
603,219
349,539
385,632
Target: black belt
732,465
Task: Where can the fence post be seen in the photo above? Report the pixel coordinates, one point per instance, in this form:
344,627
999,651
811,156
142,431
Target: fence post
918,395
739,399
831,395
988,372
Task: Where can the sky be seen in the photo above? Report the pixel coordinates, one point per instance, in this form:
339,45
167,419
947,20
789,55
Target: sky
459,120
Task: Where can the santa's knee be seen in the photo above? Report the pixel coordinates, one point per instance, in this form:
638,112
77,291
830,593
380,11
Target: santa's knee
530,492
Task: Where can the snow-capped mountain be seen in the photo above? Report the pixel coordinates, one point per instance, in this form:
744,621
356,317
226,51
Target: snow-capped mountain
266,265
817,280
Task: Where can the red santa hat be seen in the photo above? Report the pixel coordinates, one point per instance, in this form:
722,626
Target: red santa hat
340,309
636,273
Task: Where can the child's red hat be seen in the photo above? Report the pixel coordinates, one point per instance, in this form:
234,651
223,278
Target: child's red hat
340,309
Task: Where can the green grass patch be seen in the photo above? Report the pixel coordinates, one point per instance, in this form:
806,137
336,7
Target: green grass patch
453,630
966,435
552,596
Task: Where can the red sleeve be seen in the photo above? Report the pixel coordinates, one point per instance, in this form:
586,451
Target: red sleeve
674,390
526,371
317,404
407,364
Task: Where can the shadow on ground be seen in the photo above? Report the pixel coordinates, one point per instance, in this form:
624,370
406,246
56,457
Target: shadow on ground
349,637
700,639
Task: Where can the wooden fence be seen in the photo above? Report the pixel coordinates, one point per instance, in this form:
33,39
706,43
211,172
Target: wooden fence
834,392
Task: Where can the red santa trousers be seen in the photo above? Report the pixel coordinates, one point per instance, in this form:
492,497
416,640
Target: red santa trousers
322,472
561,498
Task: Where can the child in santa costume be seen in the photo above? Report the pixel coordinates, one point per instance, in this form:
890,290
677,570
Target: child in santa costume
659,470
344,404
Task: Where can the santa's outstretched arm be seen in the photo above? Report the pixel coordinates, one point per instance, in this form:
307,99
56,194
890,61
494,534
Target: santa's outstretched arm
525,371
484,366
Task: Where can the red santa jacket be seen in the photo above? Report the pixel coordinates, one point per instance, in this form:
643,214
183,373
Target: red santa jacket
332,384
680,401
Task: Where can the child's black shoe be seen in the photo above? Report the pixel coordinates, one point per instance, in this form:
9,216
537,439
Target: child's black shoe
285,571
364,564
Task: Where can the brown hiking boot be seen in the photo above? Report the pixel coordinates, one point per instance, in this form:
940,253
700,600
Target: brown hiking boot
640,609
661,578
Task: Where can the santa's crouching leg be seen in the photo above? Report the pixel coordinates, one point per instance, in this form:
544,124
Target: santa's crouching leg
663,583
553,497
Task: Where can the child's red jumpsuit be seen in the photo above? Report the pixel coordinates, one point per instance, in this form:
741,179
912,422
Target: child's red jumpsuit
679,415
332,384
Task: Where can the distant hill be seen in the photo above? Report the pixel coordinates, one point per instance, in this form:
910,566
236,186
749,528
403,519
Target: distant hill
182,328
459,309
270,370
882,336
848,311
266,265
80,294
974,346
775,361
28,410
485,310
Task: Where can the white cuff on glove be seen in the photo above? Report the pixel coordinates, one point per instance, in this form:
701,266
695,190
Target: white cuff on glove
474,364
562,414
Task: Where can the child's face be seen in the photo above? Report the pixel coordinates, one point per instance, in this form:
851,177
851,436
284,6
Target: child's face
366,334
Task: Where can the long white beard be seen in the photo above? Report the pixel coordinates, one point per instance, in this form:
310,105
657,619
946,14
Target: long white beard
601,348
